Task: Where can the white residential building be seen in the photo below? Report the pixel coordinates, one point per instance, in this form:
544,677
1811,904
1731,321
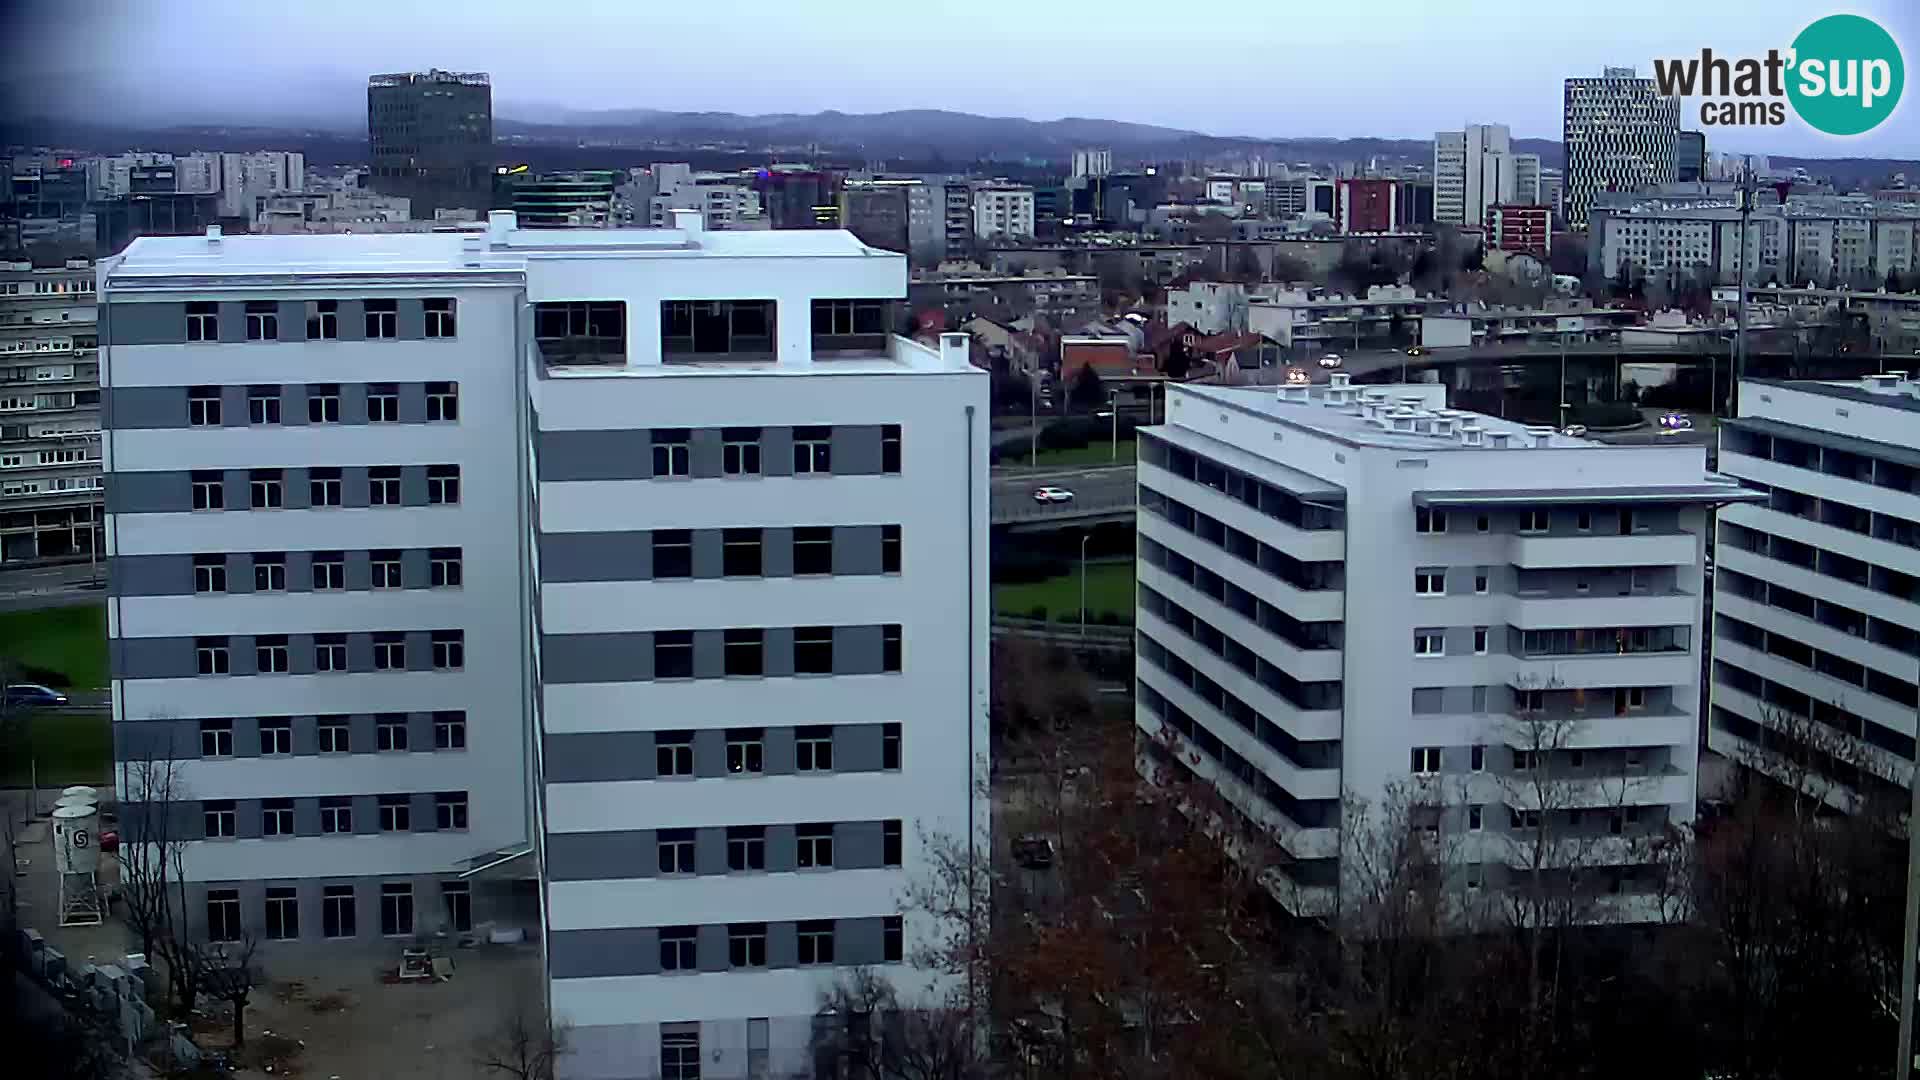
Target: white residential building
1473,169
464,570
1345,591
1620,134
1526,179
1002,211
1093,162
49,412
1816,596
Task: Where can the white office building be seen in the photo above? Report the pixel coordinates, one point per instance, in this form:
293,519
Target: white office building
1093,161
1816,596
1621,134
1345,592
629,587
1475,168
1002,212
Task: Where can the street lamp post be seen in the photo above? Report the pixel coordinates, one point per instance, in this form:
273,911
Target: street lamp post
1033,418
1113,406
1084,537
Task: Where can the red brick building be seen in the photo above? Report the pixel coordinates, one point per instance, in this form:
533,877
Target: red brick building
1366,206
1520,228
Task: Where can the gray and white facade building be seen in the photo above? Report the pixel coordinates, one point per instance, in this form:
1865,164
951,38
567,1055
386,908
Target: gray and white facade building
49,413
1621,134
628,586
1358,594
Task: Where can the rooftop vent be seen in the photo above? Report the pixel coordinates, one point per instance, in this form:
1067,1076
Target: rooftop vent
1498,439
1296,395
1473,435
213,235
1887,383
1401,420
1337,397
499,224
1443,426
1541,433
1340,379
471,245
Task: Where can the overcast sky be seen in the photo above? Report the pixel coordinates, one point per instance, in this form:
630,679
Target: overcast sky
1388,68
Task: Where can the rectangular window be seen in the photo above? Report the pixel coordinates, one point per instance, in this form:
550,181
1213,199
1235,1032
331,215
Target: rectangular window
263,405
210,656
323,403
335,735
383,403
813,749
1534,521
443,485
218,816
329,570
740,553
1429,642
889,549
439,317
216,738
741,328
891,647
680,1052
283,913
203,321
673,754
816,942
390,731
323,320
1480,581
209,573
269,571
223,915
812,450
746,848
813,550
1525,760
459,902
815,846
1480,641
336,815
893,939
744,652
1426,760
676,851
450,810
444,568
203,406
581,333
672,553
265,490
890,448
892,842
396,813
270,654
325,487
1473,818
1482,523
396,908
449,730
1532,701
276,735
672,450
1479,758
1583,521
276,817
383,319
443,402
209,491
1426,520
449,650
746,754
385,566
1429,582
747,945
813,650
336,911
673,654
740,451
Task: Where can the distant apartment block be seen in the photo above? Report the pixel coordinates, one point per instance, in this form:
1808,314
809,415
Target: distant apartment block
1473,169
1520,228
49,413
1620,134
1003,212
1822,240
1368,206
431,137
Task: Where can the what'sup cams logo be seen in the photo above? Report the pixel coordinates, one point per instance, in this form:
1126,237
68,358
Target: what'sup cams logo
1842,76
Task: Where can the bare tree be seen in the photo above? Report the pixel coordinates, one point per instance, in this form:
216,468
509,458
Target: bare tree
226,972
523,1044
863,1031
154,799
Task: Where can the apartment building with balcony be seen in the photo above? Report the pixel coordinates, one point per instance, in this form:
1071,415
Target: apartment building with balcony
1816,603
1357,594
626,585
49,413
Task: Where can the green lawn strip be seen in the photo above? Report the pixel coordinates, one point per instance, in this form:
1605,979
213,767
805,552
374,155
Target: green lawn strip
71,640
70,747
1094,453
1109,590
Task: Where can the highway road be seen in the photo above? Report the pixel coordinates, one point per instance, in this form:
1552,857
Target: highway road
26,588
1097,492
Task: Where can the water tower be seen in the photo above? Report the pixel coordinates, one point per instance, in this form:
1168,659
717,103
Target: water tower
76,858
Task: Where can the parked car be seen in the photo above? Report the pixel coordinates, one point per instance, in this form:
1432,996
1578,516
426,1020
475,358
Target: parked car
1575,430
1416,351
33,695
1331,360
1052,495
1033,851
1674,421
1297,376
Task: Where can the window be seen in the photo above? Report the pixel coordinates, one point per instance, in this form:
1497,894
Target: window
1525,760
815,847
744,652
676,851
740,555
889,746
209,491
1473,818
745,752
203,321
889,549
1426,760
459,902
892,842
323,320
390,731
812,450
449,731
223,915
276,817
816,942
1523,819
680,1052
443,485
329,570
1479,759
336,911
1627,522
334,732
1429,582
746,848
443,566
396,813
1482,523
449,650
209,573
1532,701
893,939
324,487
890,448
336,814
265,490
396,908
385,567
740,451
439,318
673,654
383,403
1534,521
848,318
450,810
263,320
263,405
216,738
1583,521
672,553
269,571
672,449
1480,581
383,319
1480,641
276,735
443,402
673,753
747,945
203,406
283,914
218,815
210,656
813,749
1629,699
717,327
1426,520
813,550
813,650
581,333
1429,642
323,403
890,647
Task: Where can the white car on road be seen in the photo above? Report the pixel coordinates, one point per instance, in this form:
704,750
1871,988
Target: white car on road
1052,495
1331,360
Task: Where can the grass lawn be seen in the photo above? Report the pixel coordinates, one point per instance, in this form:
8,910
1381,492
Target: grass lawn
71,747
71,640
1099,452
1109,589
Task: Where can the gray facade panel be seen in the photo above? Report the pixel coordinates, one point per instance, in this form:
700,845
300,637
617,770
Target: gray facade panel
233,320
361,737
858,941
593,658
141,740
412,327
857,650
360,654
143,324
777,751
233,405
420,731
423,806
776,451
712,946
296,490
600,856
149,492
783,854
246,736
355,490
413,401
611,556
306,729
306,811
358,573
776,552
238,496
856,748
856,549
300,654
586,954
353,323
413,485
778,642
419,650
783,945
353,396
710,850
293,321
150,575
293,401
599,756
246,818
709,654
708,551
857,845
415,568
596,455
154,658
129,408
366,813
709,744
703,453
240,572
856,450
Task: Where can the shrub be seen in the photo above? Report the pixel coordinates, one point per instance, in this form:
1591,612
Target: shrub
45,677
1605,414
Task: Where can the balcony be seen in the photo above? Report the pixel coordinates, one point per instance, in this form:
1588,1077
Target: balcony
851,328
704,331
581,334
1542,552
1570,612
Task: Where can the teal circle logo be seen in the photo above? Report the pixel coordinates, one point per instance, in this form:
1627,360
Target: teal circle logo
1846,75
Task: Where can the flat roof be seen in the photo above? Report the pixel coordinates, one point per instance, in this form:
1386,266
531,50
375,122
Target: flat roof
1902,455
1702,491
1345,425
1850,391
